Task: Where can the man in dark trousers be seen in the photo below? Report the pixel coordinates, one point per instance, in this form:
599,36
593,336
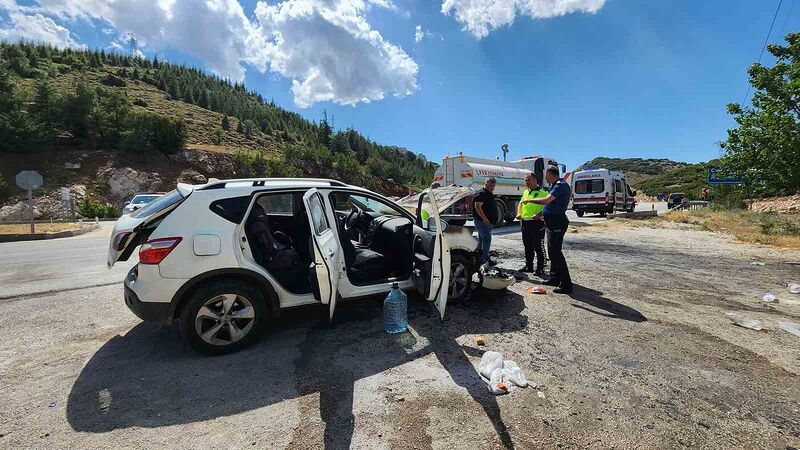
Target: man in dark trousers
556,222
530,214
484,215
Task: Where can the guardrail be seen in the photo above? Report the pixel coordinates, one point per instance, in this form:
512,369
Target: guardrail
691,205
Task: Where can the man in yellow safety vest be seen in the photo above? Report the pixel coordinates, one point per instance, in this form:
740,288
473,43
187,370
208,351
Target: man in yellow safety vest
532,225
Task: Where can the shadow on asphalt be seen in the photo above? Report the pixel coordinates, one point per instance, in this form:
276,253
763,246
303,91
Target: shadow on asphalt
607,307
154,379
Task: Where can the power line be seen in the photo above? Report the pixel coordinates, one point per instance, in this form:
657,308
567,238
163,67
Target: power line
764,47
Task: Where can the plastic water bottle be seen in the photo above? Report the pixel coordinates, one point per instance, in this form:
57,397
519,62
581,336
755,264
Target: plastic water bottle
395,311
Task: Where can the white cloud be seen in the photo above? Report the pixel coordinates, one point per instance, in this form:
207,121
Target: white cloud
325,47
37,28
479,17
418,34
330,52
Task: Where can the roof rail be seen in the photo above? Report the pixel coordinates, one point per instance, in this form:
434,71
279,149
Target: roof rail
221,184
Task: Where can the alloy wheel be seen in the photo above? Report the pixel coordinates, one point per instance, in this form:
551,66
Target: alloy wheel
224,319
458,280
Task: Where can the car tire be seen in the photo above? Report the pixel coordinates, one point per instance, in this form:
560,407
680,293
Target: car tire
216,306
460,288
579,213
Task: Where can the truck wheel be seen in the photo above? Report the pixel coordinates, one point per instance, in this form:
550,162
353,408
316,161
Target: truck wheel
579,213
461,273
223,317
501,213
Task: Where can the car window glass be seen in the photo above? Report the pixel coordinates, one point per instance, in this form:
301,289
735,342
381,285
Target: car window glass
589,186
158,205
617,186
344,202
142,199
231,209
317,213
277,204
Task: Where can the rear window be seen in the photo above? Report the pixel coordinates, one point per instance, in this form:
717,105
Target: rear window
231,209
143,199
158,205
589,186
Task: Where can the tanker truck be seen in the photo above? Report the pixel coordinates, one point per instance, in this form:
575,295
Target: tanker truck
471,172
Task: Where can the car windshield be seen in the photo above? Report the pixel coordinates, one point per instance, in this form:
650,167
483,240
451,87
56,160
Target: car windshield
589,186
143,199
344,201
158,205
674,196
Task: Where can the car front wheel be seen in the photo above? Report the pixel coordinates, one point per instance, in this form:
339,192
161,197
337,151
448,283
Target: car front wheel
461,272
223,317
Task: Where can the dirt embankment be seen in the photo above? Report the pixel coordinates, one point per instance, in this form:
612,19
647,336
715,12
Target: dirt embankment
789,204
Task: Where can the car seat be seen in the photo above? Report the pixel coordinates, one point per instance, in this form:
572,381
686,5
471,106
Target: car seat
364,265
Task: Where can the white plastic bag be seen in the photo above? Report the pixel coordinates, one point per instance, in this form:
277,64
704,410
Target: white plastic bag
769,297
513,374
496,383
794,288
489,362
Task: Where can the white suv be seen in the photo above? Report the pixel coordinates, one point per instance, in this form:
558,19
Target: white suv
226,256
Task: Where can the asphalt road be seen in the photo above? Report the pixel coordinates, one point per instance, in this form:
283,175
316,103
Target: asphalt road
55,265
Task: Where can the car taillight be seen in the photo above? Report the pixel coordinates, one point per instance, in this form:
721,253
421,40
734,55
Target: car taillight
119,240
154,251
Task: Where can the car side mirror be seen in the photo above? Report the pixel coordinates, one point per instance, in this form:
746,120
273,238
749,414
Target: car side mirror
127,203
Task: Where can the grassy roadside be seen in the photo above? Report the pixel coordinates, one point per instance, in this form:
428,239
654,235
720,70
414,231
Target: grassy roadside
40,228
779,230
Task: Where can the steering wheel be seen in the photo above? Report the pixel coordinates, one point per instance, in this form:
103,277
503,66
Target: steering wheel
353,218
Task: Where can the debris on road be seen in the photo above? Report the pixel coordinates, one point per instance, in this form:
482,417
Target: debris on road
480,340
495,279
769,297
537,290
52,404
757,263
752,324
501,373
794,288
790,327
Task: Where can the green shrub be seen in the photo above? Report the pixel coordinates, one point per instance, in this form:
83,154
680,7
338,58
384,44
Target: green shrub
259,164
140,102
92,208
146,130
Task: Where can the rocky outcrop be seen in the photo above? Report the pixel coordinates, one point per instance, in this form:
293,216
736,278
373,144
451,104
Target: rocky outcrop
18,212
219,165
126,182
192,177
788,205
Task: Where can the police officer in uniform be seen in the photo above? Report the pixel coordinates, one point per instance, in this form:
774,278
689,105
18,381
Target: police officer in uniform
532,225
556,223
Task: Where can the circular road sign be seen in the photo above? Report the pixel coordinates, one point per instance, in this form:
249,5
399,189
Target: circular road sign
29,179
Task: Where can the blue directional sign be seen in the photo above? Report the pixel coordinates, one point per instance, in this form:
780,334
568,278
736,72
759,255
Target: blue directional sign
714,178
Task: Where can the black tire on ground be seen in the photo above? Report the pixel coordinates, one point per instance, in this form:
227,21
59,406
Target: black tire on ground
457,222
461,265
579,213
247,302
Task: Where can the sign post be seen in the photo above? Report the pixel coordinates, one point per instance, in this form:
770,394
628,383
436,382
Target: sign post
29,180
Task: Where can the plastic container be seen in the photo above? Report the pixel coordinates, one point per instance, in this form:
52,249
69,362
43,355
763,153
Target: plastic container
395,311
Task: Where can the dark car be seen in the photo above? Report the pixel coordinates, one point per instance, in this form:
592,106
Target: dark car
676,200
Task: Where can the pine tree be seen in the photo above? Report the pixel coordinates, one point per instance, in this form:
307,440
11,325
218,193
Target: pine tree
202,99
226,123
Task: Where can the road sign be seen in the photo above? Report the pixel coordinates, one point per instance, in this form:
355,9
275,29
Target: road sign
64,194
714,178
29,180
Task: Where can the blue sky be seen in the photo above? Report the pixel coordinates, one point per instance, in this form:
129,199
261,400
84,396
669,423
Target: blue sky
618,78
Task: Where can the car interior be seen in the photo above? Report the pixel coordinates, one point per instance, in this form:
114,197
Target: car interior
379,244
376,239
278,232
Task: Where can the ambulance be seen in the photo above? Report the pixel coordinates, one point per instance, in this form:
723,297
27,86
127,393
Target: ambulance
471,172
601,191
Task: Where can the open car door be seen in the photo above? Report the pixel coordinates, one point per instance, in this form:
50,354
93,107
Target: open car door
431,272
325,268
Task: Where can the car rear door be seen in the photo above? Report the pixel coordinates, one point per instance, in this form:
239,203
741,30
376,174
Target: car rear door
431,272
325,251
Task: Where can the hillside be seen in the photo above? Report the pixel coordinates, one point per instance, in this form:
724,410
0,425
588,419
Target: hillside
81,116
689,179
636,170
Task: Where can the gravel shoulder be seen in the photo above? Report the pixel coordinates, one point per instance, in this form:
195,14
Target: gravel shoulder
641,356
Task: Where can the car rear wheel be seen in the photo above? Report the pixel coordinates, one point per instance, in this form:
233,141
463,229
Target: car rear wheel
223,317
